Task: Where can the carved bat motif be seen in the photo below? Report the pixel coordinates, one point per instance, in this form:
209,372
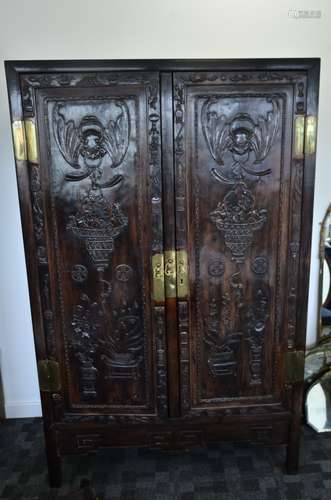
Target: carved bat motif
90,141
241,136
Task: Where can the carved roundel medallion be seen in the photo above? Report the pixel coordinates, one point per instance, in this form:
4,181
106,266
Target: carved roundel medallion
79,273
216,267
259,265
123,272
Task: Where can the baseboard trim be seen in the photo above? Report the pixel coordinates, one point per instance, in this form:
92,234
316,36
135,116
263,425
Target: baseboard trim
23,409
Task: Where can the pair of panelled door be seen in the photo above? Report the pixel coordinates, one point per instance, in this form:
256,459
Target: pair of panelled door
97,214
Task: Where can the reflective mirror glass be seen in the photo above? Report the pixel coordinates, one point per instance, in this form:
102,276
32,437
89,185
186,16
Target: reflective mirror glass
324,302
318,404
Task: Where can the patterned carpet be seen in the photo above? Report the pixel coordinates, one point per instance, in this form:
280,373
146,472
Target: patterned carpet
239,472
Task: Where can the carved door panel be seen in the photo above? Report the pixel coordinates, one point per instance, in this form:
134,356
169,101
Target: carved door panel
238,203
96,199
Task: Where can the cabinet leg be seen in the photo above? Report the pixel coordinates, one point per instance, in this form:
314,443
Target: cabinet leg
292,458
54,461
55,473
293,445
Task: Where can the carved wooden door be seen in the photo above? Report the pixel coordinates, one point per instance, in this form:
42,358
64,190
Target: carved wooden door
238,209
96,207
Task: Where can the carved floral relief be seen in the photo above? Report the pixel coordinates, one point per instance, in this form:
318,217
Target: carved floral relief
237,217
120,350
98,223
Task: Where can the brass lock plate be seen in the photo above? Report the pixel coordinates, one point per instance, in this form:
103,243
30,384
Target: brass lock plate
182,274
158,277
170,273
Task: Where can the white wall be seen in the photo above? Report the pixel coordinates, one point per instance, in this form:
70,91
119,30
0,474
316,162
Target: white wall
106,29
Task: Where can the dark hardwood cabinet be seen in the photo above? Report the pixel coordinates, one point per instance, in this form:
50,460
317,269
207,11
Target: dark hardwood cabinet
166,209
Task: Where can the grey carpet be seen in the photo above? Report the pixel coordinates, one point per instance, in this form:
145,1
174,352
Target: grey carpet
225,471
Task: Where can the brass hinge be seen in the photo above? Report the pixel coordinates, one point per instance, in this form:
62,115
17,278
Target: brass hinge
31,141
299,136
25,140
311,129
294,366
304,136
49,375
19,140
